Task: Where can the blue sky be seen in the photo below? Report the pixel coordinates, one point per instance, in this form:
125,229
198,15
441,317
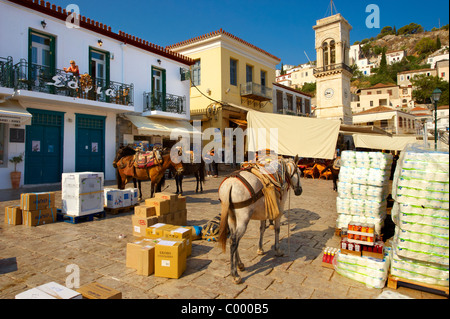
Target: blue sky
283,27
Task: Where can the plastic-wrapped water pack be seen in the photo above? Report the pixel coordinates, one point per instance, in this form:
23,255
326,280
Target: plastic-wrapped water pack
421,209
363,188
370,271
419,271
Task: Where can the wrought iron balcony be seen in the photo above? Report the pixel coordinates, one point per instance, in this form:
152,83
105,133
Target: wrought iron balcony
333,67
256,91
287,111
39,78
6,72
157,101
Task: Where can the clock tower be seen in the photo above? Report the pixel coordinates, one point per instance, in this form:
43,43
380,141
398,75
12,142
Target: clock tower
332,72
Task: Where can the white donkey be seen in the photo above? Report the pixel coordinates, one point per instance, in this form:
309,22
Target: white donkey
241,199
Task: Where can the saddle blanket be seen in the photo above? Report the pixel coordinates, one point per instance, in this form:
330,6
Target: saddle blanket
147,159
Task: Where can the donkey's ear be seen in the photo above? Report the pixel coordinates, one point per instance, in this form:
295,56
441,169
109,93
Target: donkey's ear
296,159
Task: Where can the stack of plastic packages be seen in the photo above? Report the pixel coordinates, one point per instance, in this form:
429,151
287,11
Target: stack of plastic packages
370,271
421,216
363,188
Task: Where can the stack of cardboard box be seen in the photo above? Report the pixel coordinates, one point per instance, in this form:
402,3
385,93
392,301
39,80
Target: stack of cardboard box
82,193
117,198
164,208
35,209
163,251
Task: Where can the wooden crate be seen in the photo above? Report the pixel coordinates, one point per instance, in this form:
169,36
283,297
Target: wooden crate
394,282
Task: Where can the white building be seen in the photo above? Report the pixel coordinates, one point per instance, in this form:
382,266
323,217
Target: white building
433,59
393,56
289,101
60,125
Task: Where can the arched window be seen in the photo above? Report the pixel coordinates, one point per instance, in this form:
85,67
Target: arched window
325,53
332,52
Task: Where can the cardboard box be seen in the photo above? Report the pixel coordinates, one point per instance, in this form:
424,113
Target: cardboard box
144,211
83,204
162,206
51,290
180,217
181,202
170,219
140,224
157,230
146,260
180,233
170,258
113,198
82,182
141,256
39,217
94,290
133,250
13,215
173,200
126,193
36,201
134,195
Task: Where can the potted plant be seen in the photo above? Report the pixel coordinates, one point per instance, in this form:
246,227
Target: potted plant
15,176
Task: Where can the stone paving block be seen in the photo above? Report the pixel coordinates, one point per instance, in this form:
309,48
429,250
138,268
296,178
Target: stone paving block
99,252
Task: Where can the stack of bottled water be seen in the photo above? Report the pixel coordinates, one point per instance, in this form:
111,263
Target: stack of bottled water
363,188
370,271
421,216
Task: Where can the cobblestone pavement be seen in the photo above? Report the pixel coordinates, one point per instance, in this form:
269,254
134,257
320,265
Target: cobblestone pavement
31,256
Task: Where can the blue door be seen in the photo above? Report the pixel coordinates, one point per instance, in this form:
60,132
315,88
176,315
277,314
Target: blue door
90,143
44,147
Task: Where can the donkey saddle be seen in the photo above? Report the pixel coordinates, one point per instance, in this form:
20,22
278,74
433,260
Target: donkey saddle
147,159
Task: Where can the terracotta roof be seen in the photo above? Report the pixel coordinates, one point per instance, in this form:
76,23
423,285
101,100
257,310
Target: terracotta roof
377,109
418,108
95,26
380,85
422,114
442,107
215,34
291,89
414,71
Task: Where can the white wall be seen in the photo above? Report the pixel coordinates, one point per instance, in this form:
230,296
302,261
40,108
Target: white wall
128,65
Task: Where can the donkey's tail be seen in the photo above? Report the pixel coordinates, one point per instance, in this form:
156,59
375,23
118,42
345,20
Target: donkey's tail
225,202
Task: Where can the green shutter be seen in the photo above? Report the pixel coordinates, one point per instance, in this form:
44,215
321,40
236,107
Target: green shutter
163,89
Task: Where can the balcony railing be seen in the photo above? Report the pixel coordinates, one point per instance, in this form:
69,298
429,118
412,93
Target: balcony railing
6,72
332,67
39,78
157,101
256,91
287,111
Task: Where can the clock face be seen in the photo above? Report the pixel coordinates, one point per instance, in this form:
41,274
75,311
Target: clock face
329,93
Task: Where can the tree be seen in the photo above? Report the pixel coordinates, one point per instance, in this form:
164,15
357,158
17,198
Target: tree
412,28
282,69
386,31
309,87
425,85
366,49
425,45
438,43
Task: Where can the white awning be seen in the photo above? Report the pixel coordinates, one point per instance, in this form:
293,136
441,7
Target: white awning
372,117
302,136
11,112
157,126
380,142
